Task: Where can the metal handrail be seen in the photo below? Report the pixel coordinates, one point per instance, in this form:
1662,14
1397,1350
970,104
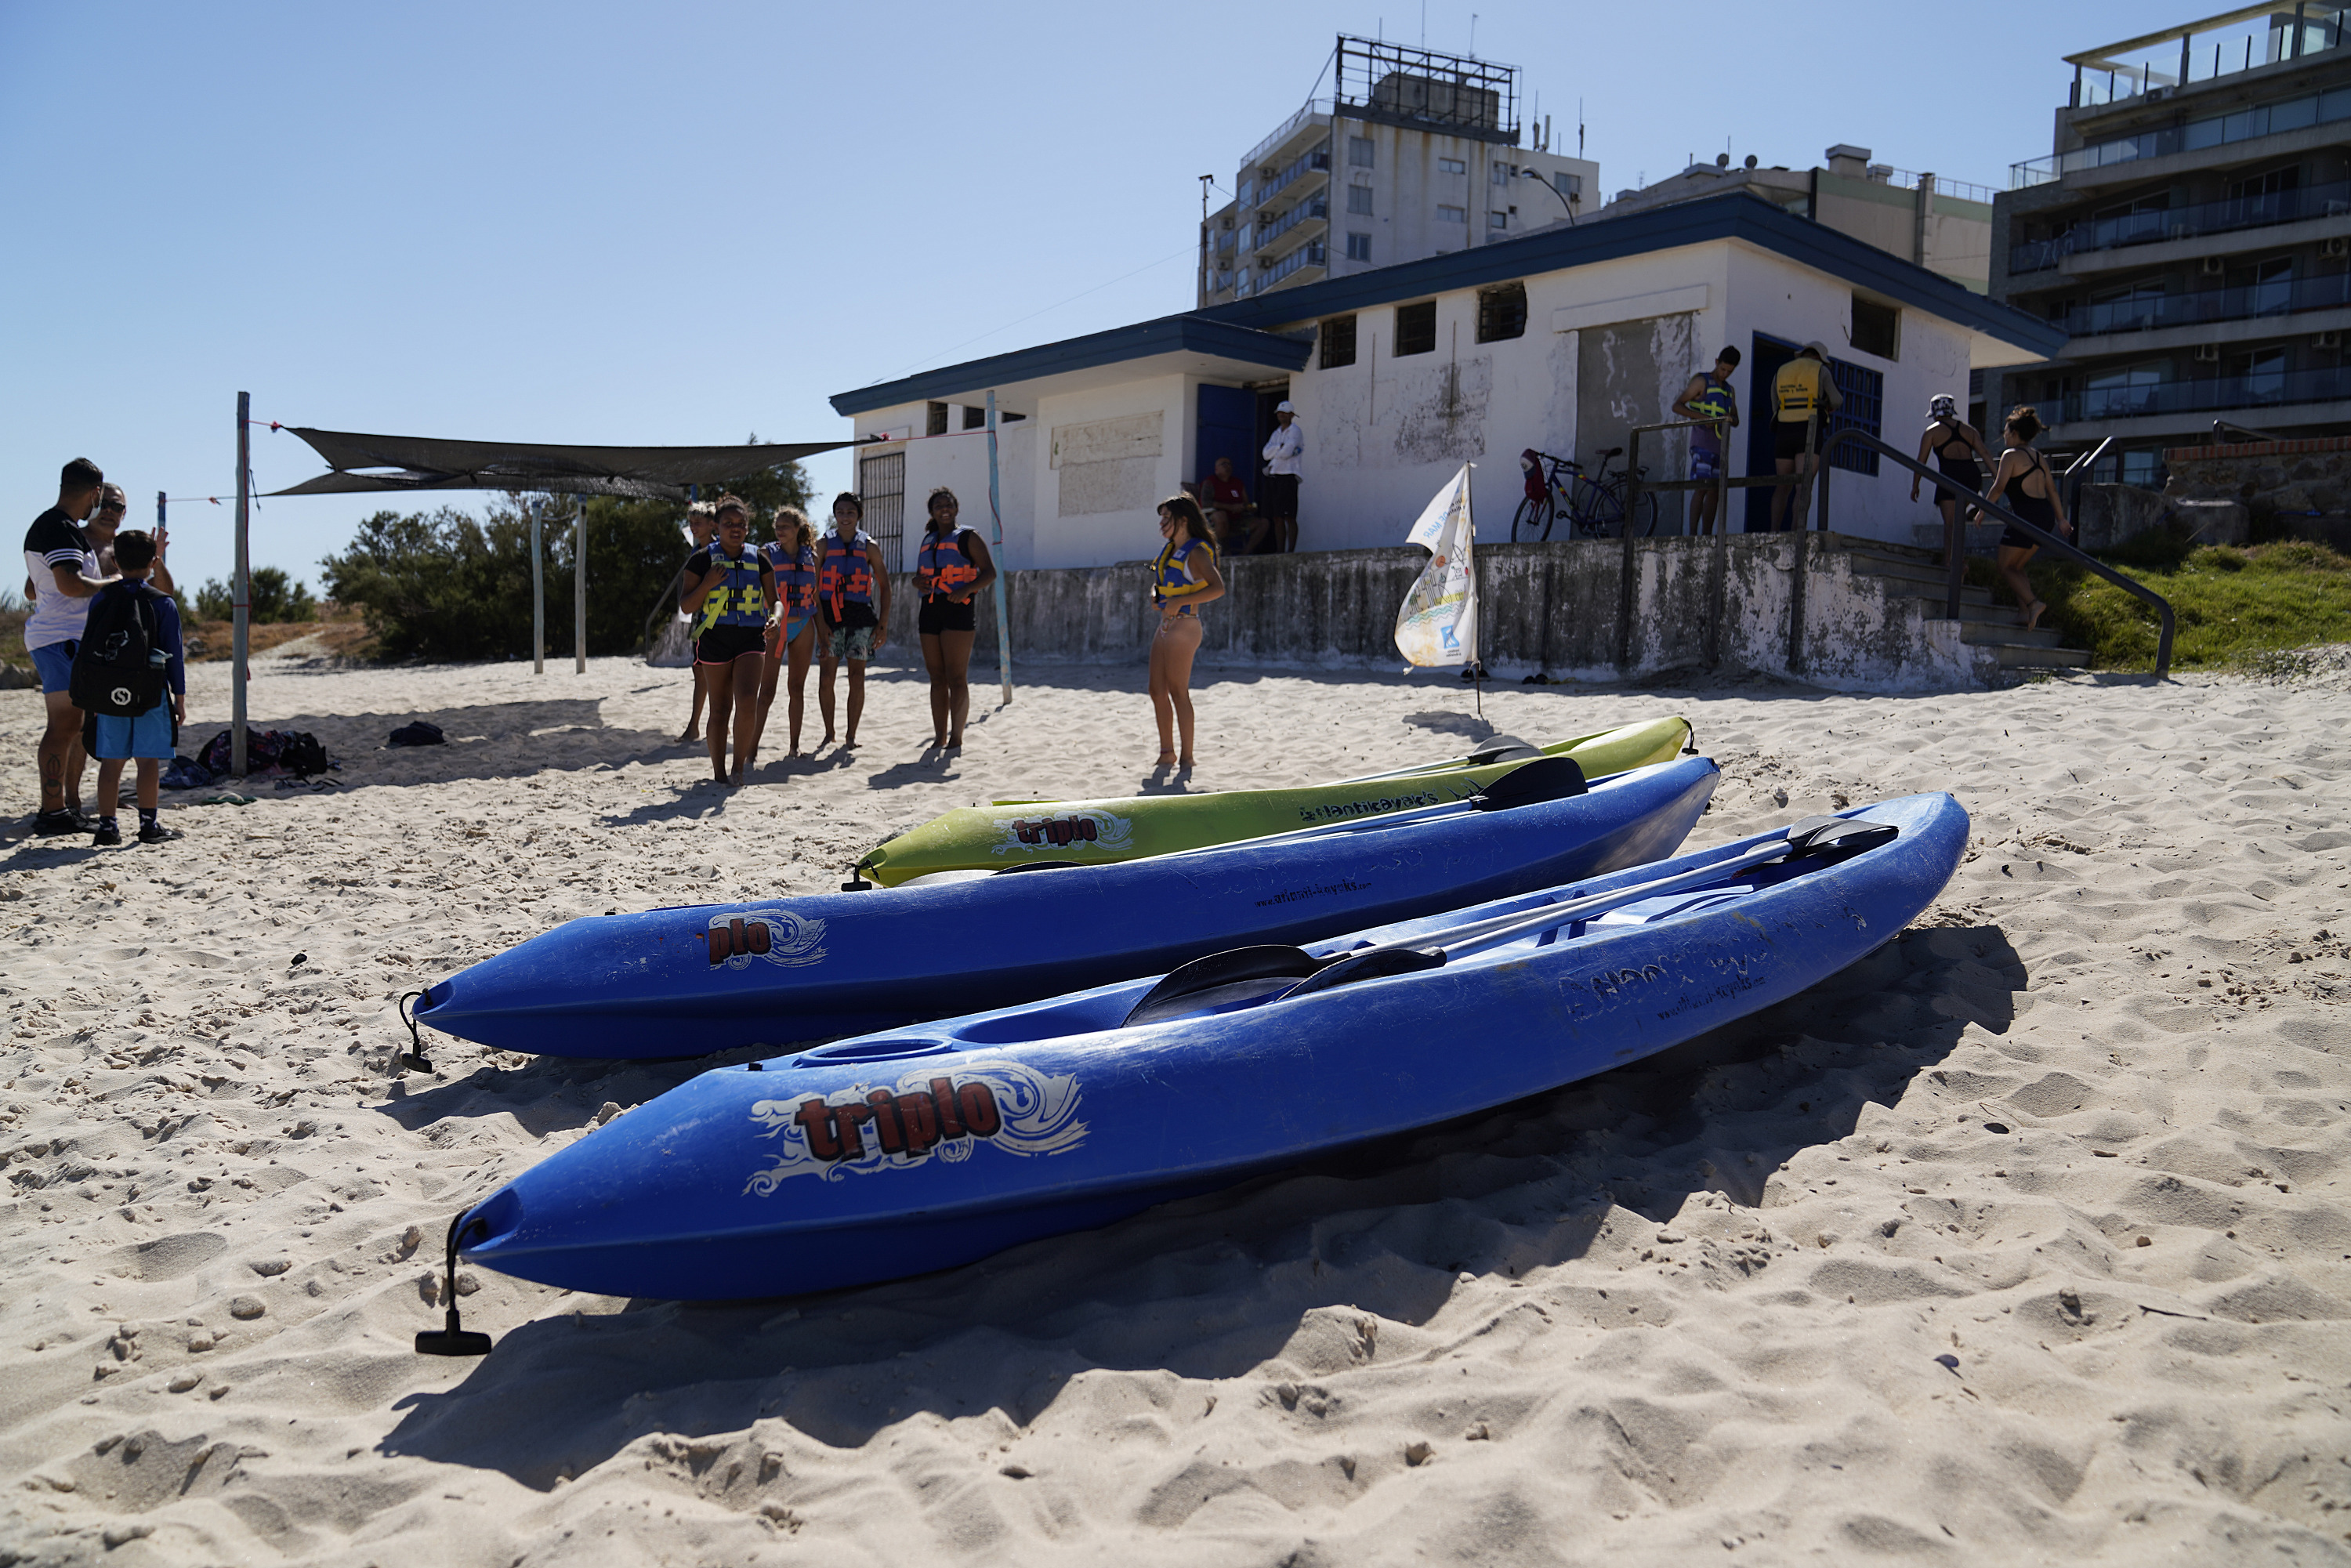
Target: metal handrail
2077,473
2220,425
1992,508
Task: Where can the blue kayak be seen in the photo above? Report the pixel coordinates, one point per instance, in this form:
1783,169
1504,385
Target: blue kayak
681,982
923,1148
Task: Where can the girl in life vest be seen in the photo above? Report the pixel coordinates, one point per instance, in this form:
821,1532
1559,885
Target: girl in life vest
853,608
791,625
1183,577
952,568
729,587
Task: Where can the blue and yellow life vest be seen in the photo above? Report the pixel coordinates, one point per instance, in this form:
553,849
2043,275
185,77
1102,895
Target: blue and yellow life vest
846,576
942,568
1171,574
796,583
738,600
1714,402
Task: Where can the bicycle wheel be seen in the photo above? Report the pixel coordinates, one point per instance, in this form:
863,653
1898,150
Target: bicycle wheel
1534,516
1601,514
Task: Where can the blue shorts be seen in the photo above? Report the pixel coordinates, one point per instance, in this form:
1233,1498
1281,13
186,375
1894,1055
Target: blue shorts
53,664
149,735
1705,465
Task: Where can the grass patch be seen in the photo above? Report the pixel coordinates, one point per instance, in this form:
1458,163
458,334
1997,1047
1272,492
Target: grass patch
2233,603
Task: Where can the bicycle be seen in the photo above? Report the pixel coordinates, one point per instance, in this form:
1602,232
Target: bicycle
1559,487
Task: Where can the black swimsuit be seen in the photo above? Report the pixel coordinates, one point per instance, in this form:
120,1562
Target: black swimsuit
2037,510
1962,468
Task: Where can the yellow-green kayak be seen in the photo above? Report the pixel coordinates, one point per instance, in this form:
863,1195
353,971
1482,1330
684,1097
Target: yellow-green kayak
1016,833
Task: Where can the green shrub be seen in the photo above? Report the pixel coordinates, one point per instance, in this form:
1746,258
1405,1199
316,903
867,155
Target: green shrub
276,597
2229,604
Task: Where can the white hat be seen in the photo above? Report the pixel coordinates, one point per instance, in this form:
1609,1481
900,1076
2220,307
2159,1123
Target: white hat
1283,407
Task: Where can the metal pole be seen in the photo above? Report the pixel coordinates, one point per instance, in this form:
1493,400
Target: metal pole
1627,566
580,585
995,511
538,593
241,633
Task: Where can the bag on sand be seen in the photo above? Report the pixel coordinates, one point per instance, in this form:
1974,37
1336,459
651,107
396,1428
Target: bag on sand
117,670
421,733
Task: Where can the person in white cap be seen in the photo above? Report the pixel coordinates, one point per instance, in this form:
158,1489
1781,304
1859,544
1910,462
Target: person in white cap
1956,444
1804,395
1277,500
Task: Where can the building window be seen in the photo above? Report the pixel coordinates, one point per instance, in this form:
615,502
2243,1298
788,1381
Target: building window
1451,166
1338,336
974,418
1359,200
1503,174
1415,327
1359,153
1452,214
1877,328
1501,312
1865,406
1571,186
1498,220
1247,196
1359,247
937,423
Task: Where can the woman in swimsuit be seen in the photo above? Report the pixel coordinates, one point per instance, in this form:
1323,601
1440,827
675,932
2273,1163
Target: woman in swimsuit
1184,578
2024,485
791,631
1956,446
729,587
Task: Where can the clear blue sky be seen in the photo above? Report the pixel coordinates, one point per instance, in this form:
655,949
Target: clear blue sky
634,223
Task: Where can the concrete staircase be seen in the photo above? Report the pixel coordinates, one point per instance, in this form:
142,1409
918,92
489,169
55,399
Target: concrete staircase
1996,627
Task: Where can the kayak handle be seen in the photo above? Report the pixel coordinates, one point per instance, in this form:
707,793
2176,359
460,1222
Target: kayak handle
414,1055
450,1339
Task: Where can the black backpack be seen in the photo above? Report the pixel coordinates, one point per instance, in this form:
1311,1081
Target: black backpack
119,670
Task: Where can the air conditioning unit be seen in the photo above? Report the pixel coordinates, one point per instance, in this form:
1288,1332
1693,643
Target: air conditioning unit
2326,340
2207,353
2338,246
2211,267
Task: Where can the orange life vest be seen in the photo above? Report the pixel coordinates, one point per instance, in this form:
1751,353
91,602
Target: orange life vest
846,576
942,568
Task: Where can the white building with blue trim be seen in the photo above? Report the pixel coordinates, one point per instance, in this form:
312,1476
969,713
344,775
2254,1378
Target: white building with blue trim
1562,341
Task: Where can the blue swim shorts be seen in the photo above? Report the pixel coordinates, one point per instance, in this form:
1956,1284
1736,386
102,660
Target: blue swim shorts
53,664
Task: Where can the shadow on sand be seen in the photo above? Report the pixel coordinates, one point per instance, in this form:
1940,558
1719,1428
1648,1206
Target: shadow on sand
1213,1287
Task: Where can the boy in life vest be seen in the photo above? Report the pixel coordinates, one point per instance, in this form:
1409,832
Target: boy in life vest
853,608
1804,395
150,738
1709,395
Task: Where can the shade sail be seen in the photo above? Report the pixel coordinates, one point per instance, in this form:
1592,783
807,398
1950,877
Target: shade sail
364,463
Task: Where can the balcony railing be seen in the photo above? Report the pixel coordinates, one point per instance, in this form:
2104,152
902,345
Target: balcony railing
1313,160
1309,255
2147,313
2184,223
2212,131
2266,391
1305,212
2223,46
1285,130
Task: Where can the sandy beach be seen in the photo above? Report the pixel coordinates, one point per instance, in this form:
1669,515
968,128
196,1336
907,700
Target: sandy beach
2024,1241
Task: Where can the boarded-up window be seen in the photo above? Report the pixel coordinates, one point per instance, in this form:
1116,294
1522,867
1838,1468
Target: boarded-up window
1338,339
1501,312
1108,465
1415,327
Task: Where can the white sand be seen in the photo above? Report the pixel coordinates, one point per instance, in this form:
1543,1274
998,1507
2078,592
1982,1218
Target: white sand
1778,1296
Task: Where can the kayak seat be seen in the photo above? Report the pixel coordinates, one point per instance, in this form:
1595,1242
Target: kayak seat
1532,784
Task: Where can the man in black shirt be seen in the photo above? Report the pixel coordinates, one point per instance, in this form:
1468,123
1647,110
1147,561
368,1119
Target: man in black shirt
63,566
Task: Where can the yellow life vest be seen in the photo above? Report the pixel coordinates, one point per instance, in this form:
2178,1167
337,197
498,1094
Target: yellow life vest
1796,391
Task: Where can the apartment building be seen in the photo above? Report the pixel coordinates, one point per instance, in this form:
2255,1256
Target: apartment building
1940,224
1415,155
2190,232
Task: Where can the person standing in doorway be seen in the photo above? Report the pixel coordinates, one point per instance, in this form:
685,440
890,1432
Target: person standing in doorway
1956,446
1277,500
1709,395
791,625
1804,395
852,607
951,569
701,527
729,587
62,564
2022,483
1183,577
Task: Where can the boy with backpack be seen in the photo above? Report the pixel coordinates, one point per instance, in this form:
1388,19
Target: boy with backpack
131,679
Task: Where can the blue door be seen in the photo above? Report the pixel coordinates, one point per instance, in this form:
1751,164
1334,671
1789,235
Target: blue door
1227,429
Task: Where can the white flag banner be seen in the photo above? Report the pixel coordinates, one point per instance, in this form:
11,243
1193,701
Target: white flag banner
1438,621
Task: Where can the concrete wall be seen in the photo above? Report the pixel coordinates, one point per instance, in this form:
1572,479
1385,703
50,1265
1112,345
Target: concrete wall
1698,603
959,461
